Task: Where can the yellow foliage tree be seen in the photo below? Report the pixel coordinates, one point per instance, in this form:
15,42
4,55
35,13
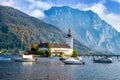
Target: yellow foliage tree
49,50
34,46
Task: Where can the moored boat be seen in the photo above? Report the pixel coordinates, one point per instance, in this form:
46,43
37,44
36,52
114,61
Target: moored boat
4,59
103,60
62,58
25,58
73,61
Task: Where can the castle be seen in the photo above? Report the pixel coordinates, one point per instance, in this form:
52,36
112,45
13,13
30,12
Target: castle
57,48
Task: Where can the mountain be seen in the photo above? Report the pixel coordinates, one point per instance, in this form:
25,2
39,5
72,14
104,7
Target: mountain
14,24
87,28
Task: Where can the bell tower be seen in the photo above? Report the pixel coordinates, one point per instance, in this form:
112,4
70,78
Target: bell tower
69,39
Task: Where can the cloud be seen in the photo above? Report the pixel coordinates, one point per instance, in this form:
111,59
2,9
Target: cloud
32,7
39,4
99,8
116,1
38,14
7,2
36,7
111,18
11,3
81,6
114,20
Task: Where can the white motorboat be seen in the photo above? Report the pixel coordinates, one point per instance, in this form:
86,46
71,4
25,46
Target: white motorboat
62,58
103,60
4,59
25,58
73,61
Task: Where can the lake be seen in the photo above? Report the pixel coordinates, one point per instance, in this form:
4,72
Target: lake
53,69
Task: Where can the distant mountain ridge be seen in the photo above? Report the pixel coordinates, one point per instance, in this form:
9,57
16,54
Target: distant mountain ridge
86,26
14,22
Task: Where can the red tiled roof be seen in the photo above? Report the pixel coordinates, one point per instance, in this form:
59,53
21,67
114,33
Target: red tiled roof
54,45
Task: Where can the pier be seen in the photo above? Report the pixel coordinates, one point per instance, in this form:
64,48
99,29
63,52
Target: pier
117,56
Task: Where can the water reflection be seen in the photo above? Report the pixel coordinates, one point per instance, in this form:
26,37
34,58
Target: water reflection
27,64
52,69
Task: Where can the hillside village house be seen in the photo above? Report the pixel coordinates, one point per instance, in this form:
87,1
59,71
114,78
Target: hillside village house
57,48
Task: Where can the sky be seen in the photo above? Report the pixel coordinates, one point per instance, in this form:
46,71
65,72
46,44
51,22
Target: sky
108,10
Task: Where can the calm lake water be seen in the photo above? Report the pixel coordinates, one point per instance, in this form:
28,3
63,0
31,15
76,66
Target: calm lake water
53,69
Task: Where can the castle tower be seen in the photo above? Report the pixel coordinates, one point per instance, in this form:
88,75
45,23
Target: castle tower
42,40
69,39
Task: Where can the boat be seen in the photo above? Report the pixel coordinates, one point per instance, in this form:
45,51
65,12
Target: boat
103,60
21,52
4,59
25,58
62,58
73,61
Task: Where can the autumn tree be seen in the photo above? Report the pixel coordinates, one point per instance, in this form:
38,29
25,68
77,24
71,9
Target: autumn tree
34,47
49,50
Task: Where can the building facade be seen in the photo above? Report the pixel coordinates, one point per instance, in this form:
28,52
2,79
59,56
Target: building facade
57,48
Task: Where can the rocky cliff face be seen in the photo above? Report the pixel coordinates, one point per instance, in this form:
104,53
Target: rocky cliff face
87,28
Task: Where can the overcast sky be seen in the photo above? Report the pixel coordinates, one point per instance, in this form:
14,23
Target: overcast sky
108,10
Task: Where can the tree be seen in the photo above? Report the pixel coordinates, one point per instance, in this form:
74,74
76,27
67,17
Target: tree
49,50
34,45
40,52
75,53
34,48
61,54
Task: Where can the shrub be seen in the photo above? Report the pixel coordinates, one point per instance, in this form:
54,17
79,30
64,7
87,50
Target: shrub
75,53
40,52
61,54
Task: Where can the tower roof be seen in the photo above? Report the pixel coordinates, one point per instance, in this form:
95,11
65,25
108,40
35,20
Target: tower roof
69,33
54,45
